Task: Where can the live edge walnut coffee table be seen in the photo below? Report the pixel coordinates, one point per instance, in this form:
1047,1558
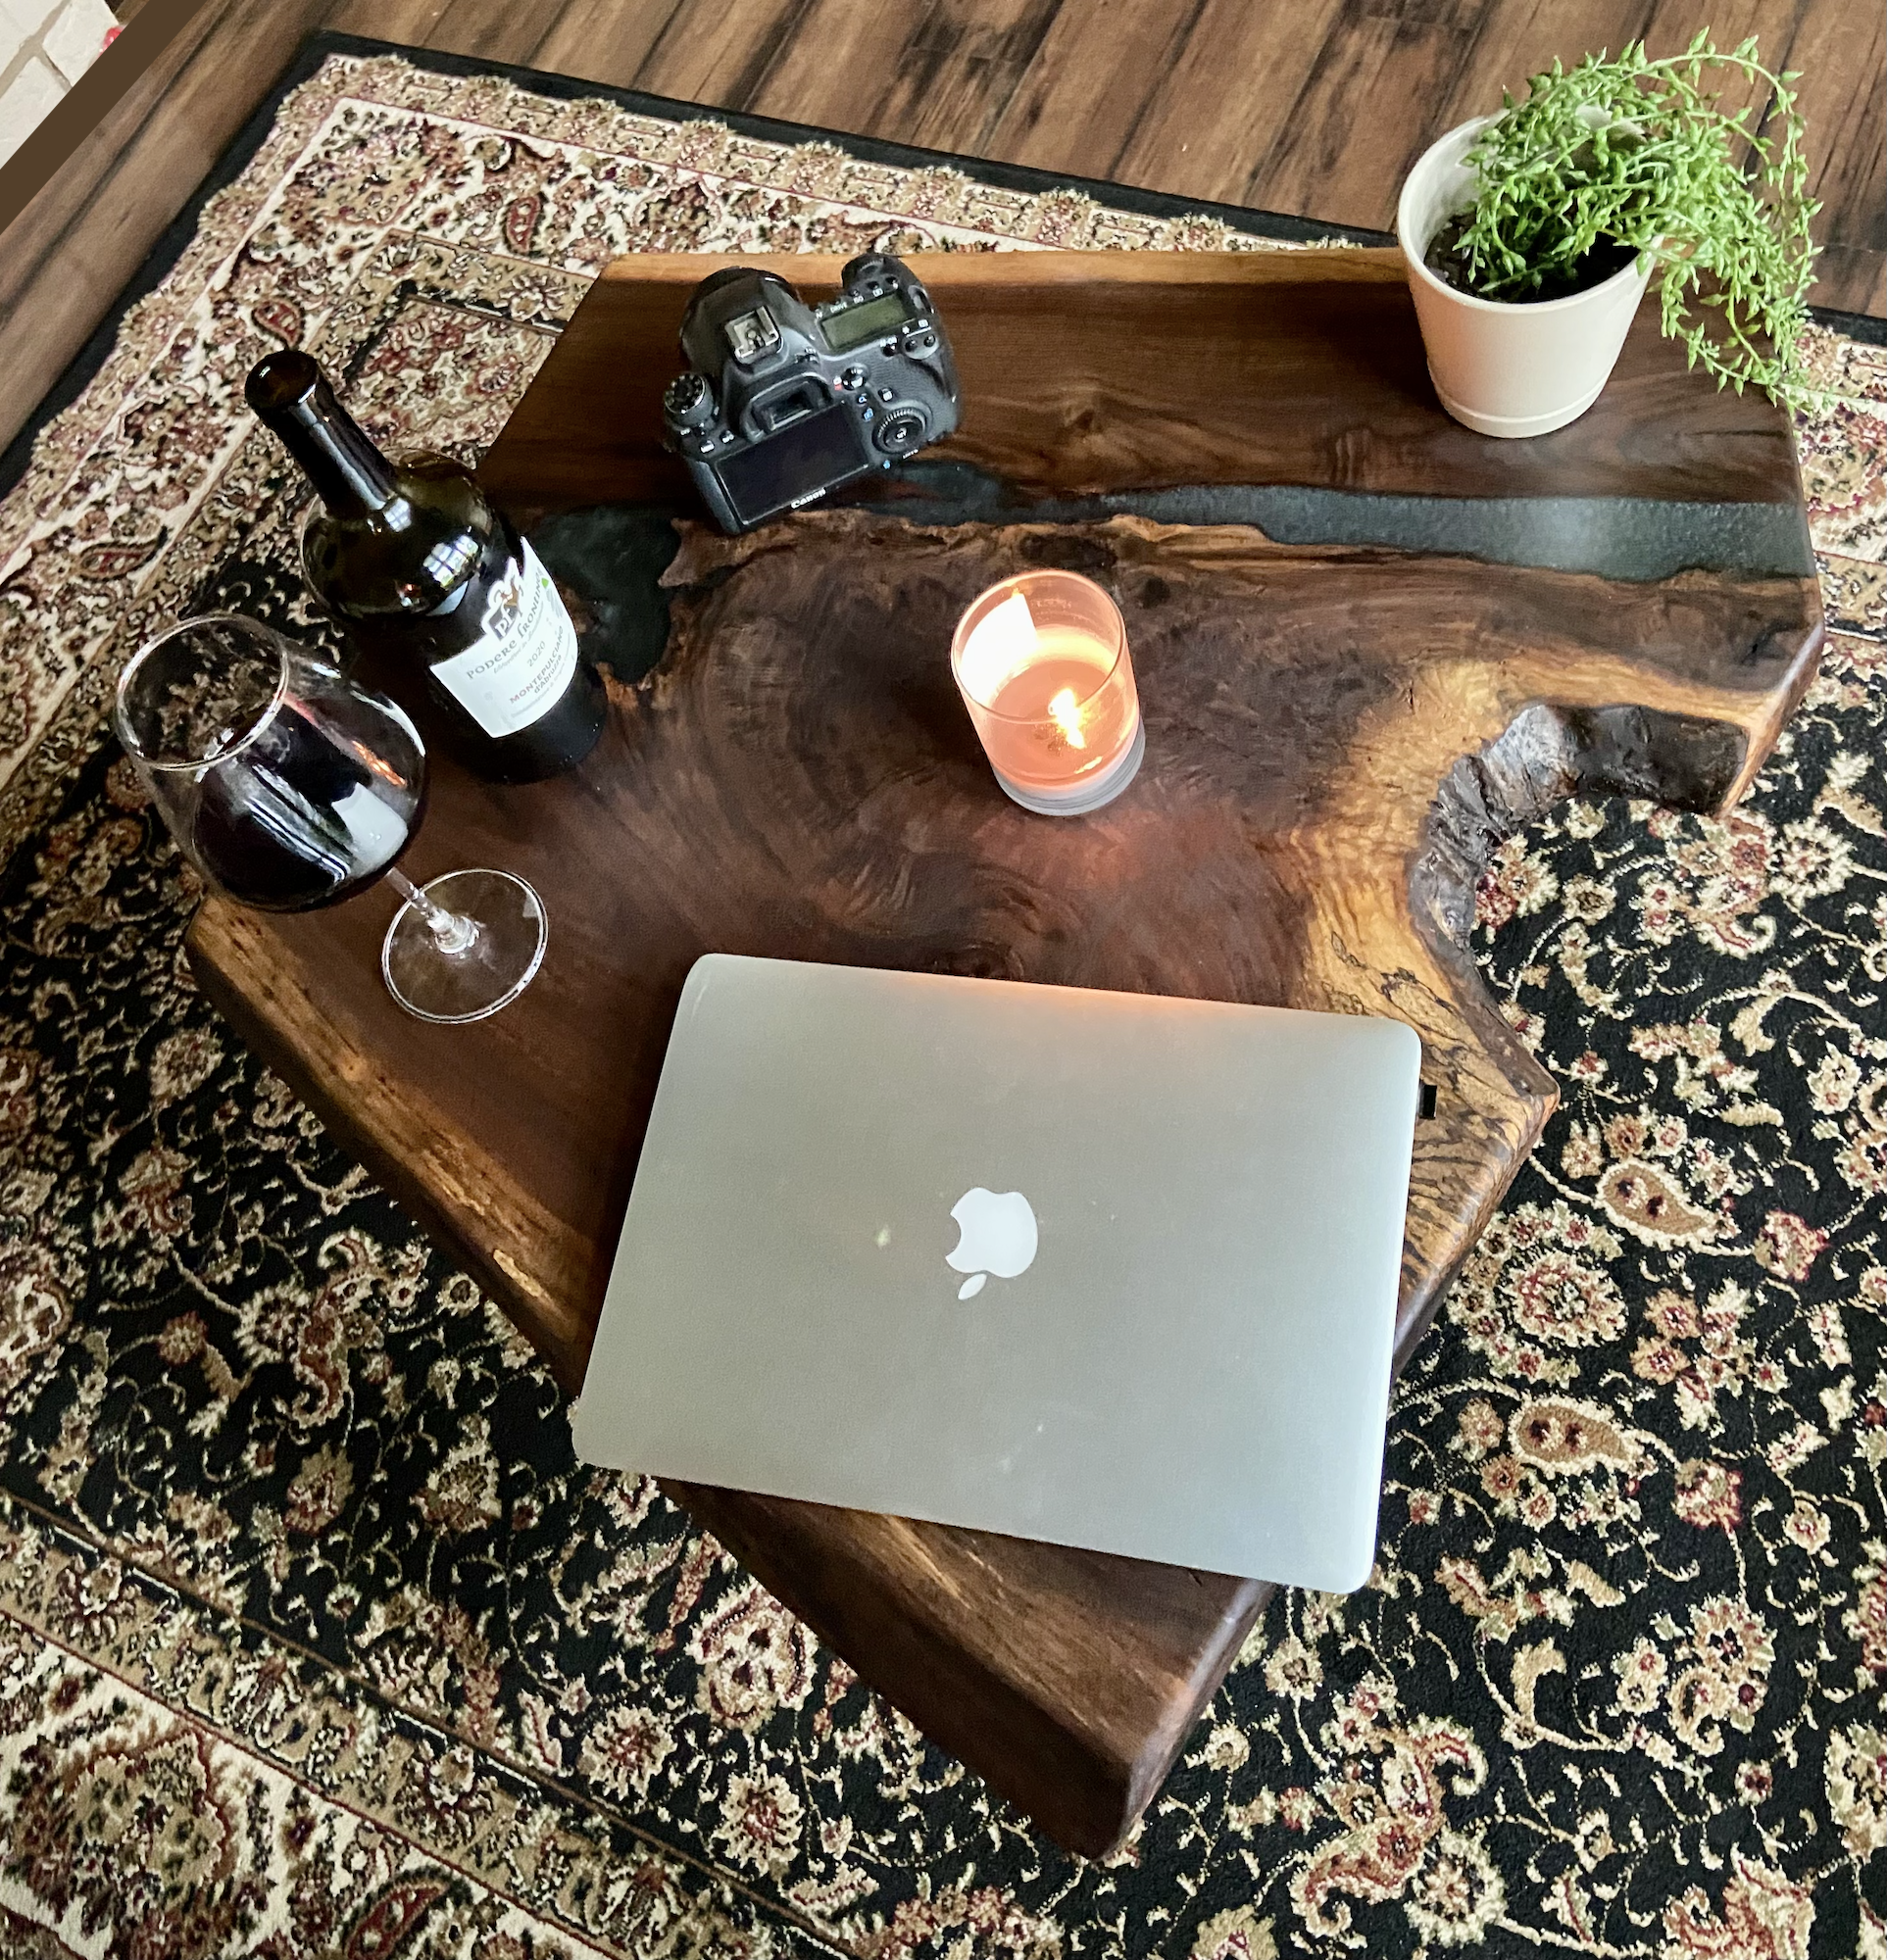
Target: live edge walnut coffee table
1368,644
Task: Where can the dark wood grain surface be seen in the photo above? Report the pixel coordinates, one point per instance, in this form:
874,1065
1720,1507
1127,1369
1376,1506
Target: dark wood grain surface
1314,110
1301,368
1337,733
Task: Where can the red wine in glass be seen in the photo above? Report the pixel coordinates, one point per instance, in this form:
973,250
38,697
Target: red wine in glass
296,821
290,786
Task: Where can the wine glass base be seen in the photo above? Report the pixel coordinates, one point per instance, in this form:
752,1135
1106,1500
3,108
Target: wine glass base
438,984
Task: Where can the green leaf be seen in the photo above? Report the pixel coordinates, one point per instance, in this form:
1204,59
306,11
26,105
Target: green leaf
1686,185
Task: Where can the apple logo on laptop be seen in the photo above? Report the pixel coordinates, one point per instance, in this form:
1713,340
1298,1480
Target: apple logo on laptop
998,1229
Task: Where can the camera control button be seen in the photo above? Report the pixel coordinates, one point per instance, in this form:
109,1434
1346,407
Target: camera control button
902,430
688,402
853,377
884,394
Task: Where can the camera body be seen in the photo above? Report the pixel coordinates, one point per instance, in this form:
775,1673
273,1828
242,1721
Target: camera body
783,400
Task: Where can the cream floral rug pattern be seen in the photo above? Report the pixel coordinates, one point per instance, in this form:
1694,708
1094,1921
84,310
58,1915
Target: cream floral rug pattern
314,1640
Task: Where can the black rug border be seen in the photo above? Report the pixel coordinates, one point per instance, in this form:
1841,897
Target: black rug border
316,47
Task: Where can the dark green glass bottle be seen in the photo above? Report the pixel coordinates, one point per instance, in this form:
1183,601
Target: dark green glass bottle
447,604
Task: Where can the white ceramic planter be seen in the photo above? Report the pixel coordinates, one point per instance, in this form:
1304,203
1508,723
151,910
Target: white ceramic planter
1503,368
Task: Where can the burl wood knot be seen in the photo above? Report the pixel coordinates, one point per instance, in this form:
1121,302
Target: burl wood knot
1337,736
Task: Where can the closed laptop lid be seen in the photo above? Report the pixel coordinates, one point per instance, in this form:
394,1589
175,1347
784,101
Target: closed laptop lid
1110,1270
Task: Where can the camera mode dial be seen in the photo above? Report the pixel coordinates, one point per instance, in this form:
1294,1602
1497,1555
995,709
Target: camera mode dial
900,429
688,402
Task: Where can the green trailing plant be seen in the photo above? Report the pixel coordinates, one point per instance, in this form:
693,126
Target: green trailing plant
1629,157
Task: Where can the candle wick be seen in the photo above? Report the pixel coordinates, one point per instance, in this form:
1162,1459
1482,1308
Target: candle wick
1065,712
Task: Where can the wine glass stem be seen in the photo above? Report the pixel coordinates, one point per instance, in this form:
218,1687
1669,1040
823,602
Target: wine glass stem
451,932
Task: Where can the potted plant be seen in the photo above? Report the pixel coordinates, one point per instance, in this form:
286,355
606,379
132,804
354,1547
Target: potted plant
1530,235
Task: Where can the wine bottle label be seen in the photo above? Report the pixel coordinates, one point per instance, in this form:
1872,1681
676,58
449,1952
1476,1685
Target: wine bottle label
524,657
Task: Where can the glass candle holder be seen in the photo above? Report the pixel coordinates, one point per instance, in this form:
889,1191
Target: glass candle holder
1041,662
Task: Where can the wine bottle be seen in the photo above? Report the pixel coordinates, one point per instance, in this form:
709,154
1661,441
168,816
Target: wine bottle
450,608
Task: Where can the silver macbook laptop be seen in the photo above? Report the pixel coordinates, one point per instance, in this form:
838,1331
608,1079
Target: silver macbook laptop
1107,1269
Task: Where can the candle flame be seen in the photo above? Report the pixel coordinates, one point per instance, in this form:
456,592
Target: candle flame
1065,712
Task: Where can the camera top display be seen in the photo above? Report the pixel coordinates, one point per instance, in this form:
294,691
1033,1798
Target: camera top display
783,401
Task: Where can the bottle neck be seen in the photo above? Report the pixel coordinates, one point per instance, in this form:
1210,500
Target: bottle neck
349,473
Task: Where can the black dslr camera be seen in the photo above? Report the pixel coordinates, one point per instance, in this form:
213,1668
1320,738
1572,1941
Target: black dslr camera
786,401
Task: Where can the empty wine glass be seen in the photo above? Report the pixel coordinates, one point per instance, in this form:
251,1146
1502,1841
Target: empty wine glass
289,786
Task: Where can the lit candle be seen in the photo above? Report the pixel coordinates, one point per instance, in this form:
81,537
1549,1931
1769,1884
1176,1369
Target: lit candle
1041,661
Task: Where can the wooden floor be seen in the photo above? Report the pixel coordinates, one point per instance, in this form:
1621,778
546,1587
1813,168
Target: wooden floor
1310,107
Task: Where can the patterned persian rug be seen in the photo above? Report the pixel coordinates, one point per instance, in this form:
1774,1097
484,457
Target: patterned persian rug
314,1641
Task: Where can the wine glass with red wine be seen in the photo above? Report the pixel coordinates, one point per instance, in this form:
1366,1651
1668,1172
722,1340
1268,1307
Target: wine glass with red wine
289,786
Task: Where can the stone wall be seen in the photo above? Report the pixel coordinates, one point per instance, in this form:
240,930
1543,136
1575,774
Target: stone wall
45,46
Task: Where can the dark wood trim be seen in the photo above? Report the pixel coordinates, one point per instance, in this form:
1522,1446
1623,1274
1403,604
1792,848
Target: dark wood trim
69,259
91,98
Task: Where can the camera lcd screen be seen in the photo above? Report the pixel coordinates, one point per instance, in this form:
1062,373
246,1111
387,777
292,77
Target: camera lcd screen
858,325
804,458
